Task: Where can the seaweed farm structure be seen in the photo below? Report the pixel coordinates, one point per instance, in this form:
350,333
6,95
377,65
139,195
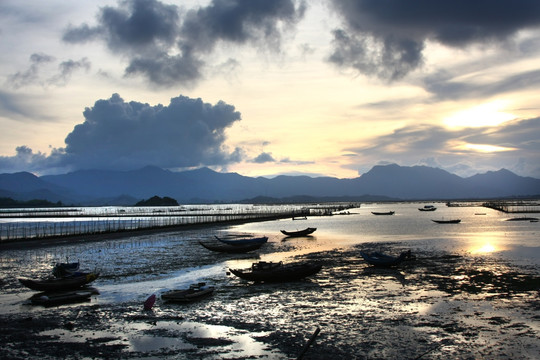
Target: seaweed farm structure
43,223
514,207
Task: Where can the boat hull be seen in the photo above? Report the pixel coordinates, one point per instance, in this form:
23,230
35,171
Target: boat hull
282,273
59,284
298,233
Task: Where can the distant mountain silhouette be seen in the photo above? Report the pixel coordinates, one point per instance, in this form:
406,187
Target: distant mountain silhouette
389,182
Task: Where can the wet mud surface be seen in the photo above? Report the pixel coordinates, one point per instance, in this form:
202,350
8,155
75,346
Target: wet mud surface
441,305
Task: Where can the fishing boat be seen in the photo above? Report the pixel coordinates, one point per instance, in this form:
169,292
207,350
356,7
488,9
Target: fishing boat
304,232
428,208
62,297
383,212
277,271
194,292
65,269
243,241
383,260
231,249
60,284
452,221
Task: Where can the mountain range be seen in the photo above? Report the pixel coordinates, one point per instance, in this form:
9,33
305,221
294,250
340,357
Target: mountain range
382,182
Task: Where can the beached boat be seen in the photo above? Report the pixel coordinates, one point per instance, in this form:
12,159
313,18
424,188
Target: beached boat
383,260
452,221
59,284
304,232
65,269
428,208
383,212
62,297
231,249
243,241
277,271
523,218
194,292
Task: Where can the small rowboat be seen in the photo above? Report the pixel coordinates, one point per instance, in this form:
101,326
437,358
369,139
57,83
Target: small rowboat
383,212
382,260
243,241
304,232
60,284
277,271
62,297
453,221
194,292
231,249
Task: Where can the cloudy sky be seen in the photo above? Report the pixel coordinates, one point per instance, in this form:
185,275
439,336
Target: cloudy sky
325,87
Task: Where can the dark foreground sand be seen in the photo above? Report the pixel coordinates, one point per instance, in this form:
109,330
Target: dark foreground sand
440,306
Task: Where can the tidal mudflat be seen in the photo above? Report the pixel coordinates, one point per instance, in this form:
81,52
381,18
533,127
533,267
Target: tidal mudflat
447,303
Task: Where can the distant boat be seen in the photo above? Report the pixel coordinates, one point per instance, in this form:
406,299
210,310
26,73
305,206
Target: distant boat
479,213
383,213
298,233
230,249
453,221
383,260
428,208
277,271
299,218
194,292
243,241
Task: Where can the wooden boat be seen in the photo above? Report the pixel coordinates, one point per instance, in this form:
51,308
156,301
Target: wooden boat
231,249
523,218
60,284
62,297
304,232
383,212
277,271
452,221
65,269
428,208
243,241
383,260
194,292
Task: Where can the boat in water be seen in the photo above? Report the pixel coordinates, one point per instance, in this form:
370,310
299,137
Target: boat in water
268,271
452,221
305,232
383,212
428,208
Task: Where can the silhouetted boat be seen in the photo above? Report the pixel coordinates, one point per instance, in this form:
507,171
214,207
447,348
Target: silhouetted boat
231,249
277,271
428,208
523,218
65,269
59,284
453,221
194,292
383,212
304,232
383,260
243,241
62,297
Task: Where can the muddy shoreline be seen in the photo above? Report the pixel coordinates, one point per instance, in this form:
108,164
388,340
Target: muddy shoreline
439,306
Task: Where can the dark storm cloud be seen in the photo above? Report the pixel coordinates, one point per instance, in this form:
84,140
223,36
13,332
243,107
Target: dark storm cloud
119,134
386,38
126,135
169,50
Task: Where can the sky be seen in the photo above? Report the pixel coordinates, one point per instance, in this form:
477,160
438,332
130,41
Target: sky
264,88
